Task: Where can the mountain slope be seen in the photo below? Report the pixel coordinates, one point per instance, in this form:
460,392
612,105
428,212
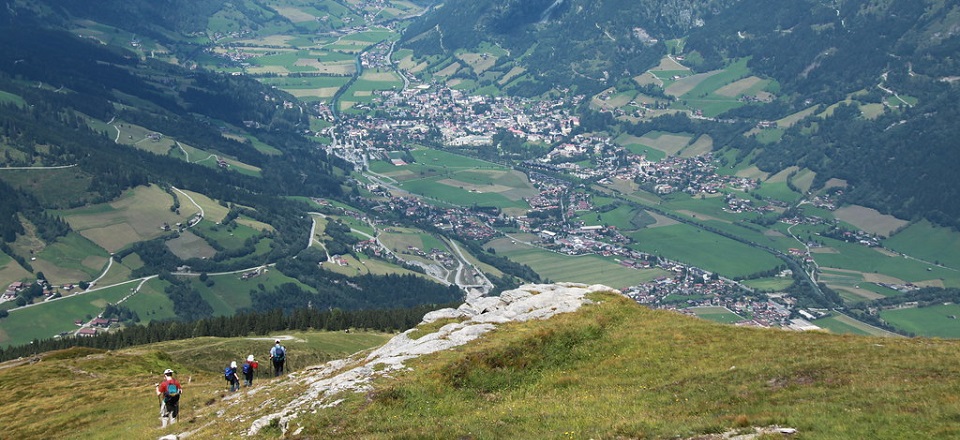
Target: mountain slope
612,369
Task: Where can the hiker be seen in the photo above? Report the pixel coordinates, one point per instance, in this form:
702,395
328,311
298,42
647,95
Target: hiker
278,354
169,392
230,374
248,368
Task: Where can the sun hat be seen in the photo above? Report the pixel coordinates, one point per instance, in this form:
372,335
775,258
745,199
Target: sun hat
168,371
233,364
250,358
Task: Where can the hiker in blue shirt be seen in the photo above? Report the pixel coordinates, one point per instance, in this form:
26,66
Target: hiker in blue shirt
278,354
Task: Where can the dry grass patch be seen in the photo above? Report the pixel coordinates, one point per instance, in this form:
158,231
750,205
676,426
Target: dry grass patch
703,145
293,14
869,219
479,62
835,183
671,144
514,72
661,220
752,172
450,70
781,177
686,84
737,88
794,118
668,63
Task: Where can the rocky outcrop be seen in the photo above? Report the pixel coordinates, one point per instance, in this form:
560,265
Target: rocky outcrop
474,318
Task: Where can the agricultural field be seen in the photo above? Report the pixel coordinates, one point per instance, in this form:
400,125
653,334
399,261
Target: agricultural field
878,266
188,246
933,321
931,243
401,240
228,293
151,303
869,220
843,324
49,319
136,216
703,249
722,315
70,259
669,143
769,284
587,269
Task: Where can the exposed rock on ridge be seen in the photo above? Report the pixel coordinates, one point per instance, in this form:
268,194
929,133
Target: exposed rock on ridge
475,317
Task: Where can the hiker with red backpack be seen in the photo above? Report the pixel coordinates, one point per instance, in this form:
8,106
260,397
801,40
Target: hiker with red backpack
169,392
248,368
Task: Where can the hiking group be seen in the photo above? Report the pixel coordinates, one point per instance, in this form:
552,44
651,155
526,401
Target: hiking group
169,392
248,368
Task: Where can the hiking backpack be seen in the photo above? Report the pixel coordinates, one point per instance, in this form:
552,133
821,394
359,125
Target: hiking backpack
279,354
247,368
228,374
172,390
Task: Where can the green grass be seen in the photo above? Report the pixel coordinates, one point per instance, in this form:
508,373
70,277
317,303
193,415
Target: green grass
47,320
840,326
6,97
704,249
151,303
716,314
230,293
769,284
91,393
588,269
864,259
928,242
777,190
570,376
51,187
939,321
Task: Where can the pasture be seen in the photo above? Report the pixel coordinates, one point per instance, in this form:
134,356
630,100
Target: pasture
136,216
401,239
11,271
188,245
703,145
48,319
151,303
843,324
588,269
51,187
703,249
669,143
212,210
934,321
883,267
925,241
722,315
774,284
71,258
869,219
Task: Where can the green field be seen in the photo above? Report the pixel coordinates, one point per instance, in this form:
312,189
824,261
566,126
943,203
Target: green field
840,323
151,303
48,319
587,269
931,243
716,314
769,284
229,292
704,249
864,259
934,321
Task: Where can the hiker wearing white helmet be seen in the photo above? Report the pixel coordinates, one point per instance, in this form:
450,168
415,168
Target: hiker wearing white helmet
169,392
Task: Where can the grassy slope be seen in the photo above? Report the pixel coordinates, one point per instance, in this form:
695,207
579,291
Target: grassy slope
89,394
612,370
618,370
